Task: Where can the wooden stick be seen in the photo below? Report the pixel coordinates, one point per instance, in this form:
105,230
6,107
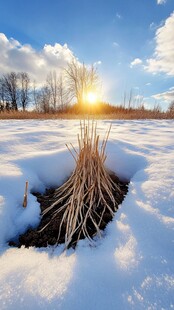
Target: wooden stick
25,195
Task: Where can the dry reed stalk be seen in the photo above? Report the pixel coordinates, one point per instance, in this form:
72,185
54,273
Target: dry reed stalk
88,193
25,195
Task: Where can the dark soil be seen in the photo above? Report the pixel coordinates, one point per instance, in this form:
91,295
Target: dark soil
33,237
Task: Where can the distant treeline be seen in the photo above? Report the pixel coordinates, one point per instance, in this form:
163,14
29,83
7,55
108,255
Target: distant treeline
18,93
64,92
58,92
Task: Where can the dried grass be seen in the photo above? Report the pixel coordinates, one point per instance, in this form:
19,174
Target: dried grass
88,194
118,114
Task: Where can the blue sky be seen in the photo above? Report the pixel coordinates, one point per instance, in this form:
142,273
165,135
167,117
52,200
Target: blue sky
131,40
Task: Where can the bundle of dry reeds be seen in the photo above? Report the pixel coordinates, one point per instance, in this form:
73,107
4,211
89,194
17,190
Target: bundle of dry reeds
90,191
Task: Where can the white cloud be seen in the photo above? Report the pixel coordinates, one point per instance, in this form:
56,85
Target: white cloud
167,96
161,1
163,59
118,16
97,63
115,44
148,84
17,57
135,62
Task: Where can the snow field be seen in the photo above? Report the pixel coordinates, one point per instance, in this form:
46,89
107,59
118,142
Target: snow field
131,267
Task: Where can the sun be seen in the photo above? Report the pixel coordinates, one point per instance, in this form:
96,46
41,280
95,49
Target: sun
91,97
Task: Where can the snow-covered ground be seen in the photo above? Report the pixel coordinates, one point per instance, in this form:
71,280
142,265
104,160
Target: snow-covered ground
132,266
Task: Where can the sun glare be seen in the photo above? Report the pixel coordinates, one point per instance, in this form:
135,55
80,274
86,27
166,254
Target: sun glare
91,97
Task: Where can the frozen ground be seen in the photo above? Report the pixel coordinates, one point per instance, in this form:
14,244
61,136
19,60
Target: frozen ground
132,266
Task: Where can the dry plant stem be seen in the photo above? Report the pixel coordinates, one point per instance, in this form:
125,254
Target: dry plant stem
25,195
87,190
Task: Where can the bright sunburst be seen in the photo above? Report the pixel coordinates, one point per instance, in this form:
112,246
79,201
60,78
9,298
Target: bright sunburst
91,97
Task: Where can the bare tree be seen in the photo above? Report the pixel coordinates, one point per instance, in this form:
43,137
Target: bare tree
130,99
43,99
171,108
10,82
52,85
138,102
124,100
24,89
80,80
59,91
157,108
64,96
2,95
35,96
